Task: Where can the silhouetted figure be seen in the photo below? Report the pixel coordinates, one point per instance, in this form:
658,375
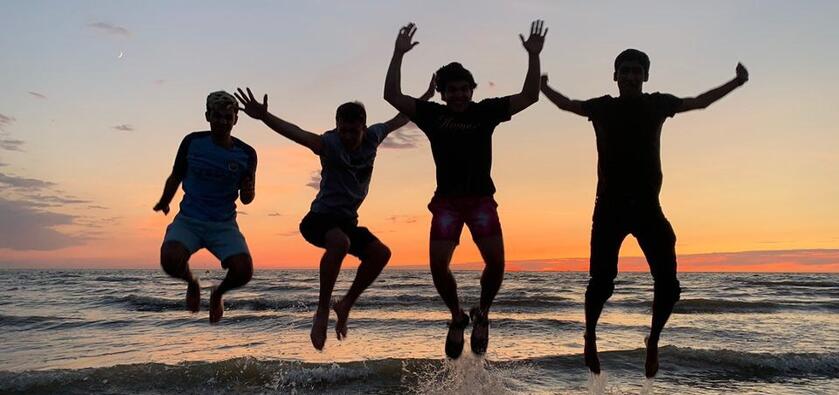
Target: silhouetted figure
460,134
215,169
628,130
346,156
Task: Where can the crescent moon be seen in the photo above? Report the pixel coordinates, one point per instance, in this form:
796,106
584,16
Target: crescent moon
121,54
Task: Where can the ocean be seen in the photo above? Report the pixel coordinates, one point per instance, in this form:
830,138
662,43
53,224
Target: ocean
127,331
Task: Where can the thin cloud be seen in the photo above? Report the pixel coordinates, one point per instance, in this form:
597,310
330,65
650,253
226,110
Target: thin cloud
5,121
275,215
124,128
24,183
405,219
96,207
289,233
27,228
404,138
159,82
56,200
111,29
314,181
11,144
38,95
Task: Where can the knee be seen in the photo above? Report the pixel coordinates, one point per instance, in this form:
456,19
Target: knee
337,243
667,291
383,253
240,267
439,264
173,258
600,289
494,266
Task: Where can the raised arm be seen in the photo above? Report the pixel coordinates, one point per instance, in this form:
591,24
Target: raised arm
560,100
393,81
259,111
401,119
530,91
705,99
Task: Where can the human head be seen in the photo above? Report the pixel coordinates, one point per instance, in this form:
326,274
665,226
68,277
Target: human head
632,69
222,111
455,85
351,122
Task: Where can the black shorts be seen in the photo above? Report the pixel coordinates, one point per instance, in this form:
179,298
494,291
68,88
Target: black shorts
315,225
613,221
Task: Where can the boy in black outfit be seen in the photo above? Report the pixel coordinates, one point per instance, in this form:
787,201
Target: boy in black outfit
628,131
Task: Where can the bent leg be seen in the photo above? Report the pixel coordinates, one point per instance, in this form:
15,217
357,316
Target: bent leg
239,272
440,253
440,256
658,241
485,226
174,259
492,250
337,245
606,239
374,258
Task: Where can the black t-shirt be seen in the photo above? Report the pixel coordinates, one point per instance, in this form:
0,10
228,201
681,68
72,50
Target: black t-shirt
461,144
628,133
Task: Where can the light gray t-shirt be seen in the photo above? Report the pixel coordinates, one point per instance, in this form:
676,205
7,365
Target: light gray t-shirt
345,175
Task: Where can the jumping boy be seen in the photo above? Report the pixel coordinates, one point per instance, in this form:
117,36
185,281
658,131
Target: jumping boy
460,134
215,169
628,131
346,156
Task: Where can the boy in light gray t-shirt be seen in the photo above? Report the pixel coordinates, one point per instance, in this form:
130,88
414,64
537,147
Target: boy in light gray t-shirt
346,155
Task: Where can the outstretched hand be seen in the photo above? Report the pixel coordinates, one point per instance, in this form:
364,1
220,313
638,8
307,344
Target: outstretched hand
432,86
536,40
406,35
742,73
160,206
253,108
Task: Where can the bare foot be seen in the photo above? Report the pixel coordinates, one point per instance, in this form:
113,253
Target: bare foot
343,313
480,331
454,339
318,334
651,366
590,353
193,296
216,306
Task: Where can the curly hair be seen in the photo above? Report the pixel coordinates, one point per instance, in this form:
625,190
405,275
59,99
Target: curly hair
453,72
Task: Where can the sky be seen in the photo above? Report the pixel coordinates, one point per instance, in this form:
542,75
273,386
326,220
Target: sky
97,96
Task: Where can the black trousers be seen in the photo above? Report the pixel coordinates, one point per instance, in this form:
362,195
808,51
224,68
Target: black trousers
611,223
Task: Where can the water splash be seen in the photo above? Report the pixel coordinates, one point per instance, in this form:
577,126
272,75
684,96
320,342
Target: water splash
647,387
596,383
468,374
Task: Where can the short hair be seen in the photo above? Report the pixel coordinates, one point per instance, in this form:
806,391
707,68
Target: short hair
453,72
633,55
221,100
351,111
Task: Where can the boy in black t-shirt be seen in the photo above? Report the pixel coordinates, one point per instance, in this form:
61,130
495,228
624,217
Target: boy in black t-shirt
628,131
460,134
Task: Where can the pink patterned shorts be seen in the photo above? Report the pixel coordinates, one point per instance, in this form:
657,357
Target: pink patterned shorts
449,214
